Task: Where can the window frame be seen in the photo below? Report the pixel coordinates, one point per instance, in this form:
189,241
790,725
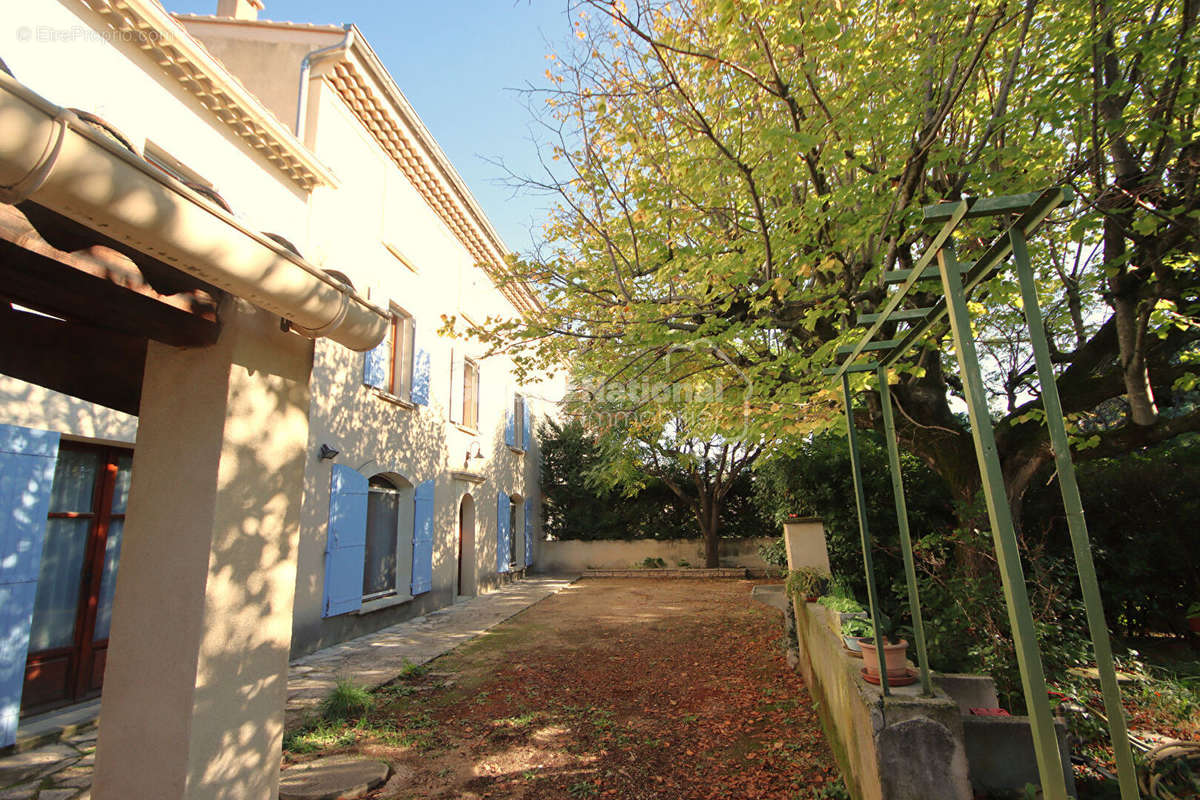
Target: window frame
402,353
393,489
470,395
518,411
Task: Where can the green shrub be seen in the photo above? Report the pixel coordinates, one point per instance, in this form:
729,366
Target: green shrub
806,582
1140,510
651,562
842,605
774,553
813,478
857,627
409,670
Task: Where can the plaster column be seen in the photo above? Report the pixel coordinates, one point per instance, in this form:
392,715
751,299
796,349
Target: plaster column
196,681
804,540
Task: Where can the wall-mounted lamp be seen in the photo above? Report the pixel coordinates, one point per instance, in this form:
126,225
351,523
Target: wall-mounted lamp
473,451
327,453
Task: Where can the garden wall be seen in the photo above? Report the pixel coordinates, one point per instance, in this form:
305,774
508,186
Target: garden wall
902,747
905,746
576,556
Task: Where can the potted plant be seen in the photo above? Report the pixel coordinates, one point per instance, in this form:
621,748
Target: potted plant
807,582
1193,617
895,651
853,629
841,605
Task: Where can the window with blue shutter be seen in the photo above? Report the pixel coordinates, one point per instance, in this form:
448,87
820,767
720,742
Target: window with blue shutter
420,378
422,555
510,423
526,428
26,473
528,533
345,542
376,362
502,532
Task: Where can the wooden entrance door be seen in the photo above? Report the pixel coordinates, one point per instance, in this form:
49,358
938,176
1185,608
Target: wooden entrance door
68,639
462,512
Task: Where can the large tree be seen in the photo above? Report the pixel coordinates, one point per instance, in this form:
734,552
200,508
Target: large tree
736,177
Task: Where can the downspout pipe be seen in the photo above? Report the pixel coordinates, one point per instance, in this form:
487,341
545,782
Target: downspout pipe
306,72
49,157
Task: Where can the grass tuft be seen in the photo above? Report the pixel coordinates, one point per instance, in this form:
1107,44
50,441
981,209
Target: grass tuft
346,700
409,670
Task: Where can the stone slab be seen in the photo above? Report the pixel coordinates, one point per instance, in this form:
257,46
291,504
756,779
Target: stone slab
332,778
23,792
23,766
58,794
771,594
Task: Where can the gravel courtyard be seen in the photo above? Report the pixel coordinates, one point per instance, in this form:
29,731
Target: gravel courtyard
611,688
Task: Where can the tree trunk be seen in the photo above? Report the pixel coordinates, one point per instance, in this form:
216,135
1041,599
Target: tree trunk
708,513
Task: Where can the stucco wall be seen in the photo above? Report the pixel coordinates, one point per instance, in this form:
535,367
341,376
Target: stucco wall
33,406
374,203
573,556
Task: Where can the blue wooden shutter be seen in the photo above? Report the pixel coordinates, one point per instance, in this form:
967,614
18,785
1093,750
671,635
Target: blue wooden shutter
528,532
502,504
375,364
345,542
420,380
457,385
26,474
422,555
526,433
510,422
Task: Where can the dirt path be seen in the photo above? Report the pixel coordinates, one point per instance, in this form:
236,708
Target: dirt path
612,688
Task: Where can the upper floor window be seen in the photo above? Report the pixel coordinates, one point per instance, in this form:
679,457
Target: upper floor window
519,420
392,366
400,377
470,410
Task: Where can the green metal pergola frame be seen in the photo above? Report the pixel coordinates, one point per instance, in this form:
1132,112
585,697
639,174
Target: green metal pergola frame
958,279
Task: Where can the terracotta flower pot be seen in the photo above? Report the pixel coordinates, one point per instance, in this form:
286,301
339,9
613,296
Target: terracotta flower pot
895,656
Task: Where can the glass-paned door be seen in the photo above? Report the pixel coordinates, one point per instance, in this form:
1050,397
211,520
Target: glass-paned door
72,611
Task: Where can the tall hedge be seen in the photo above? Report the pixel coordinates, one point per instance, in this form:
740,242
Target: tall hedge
575,508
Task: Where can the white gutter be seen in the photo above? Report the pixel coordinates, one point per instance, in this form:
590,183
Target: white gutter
306,72
49,156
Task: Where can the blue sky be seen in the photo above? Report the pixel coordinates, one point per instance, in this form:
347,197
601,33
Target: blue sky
456,61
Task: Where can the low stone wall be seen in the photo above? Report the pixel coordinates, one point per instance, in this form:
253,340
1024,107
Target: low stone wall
901,747
905,746
576,556
666,573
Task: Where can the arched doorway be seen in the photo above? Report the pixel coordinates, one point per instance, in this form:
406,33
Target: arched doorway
466,546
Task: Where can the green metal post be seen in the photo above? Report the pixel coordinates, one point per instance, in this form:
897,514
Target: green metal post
1076,524
868,564
910,571
1008,557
